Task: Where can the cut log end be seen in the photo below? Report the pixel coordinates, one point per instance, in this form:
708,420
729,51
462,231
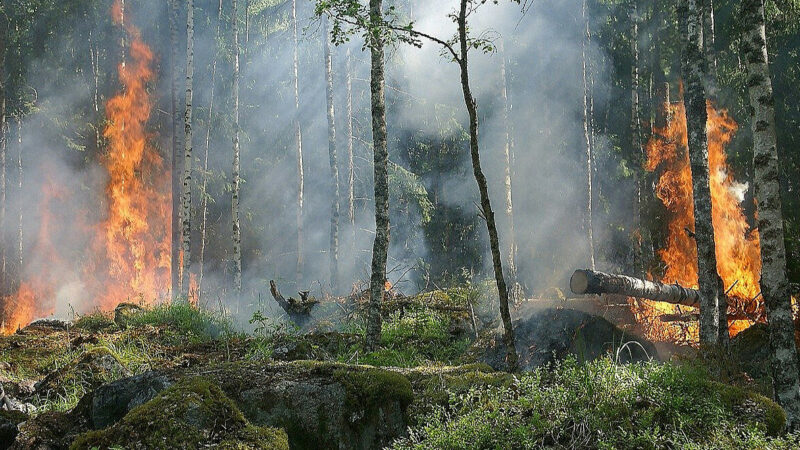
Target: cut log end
579,282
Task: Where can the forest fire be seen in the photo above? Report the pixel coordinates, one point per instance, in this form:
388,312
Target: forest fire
737,246
129,254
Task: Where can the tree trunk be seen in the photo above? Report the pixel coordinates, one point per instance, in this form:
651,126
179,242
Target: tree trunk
204,194
237,233
380,246
713,321
334,235
637,149
507,182
20,244
774,279
486,206
587,140
708,48
351,195
299,150
175,266
186,201
592,282
3,147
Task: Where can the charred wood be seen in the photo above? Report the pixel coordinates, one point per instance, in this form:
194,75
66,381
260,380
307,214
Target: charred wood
299,311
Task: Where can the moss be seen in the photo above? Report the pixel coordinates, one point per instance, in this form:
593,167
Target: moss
95,322
752,407
193,413
369,388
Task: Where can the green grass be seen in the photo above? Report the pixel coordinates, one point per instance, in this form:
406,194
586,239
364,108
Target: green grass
603,405
186,321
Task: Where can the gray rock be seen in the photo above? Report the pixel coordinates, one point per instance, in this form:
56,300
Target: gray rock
548,335
110,402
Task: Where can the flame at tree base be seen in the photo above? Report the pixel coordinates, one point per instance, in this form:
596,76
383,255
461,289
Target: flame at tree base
129,251
738,249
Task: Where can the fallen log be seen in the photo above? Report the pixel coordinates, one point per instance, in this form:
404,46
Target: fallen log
694,317
591,282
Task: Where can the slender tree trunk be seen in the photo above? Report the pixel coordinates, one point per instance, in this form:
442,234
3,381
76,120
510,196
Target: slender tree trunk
587,140
351,195
380,246
3,147
637,149
204,192
334,236
186,203
506,112
20,207
480,178
696,116
299,149
237,233
774,279
174,165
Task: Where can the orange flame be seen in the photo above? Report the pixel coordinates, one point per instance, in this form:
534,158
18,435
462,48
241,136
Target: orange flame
737,246
130,249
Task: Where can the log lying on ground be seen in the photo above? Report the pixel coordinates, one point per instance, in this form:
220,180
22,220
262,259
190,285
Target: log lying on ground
591,282
299,311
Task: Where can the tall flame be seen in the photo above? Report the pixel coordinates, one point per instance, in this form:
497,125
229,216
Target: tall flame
737,246
129,254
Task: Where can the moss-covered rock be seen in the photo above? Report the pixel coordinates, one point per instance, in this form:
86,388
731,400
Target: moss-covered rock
124,312
320,404
89,371
193,413
95,322
112,401
50,430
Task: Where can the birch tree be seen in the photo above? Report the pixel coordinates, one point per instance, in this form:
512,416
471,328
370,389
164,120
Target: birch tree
334,233
589,214
204,193
774,279
186,200
507,180
237,233
298,136
174,166
351,195
713,317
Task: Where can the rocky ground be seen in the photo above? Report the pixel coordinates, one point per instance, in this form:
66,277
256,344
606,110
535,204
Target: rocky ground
177,377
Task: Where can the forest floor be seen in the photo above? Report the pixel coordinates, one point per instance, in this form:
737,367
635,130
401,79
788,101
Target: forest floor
174,376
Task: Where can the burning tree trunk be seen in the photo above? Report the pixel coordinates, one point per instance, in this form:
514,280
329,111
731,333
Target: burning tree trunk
380,246
334,236
20,207
186,200
203,192
237,234
176,188
299,149
774,280
713,323
592,282
589,157
486,206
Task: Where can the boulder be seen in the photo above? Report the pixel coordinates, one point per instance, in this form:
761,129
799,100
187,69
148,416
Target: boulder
124,312
544,336
320,405
193,413
92,369
111,402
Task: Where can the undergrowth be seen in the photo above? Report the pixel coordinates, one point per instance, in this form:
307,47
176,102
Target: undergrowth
604,405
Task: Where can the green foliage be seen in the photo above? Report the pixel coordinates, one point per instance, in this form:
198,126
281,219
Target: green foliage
603,405
186,321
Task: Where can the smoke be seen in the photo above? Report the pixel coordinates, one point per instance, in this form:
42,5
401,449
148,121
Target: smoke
543,54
